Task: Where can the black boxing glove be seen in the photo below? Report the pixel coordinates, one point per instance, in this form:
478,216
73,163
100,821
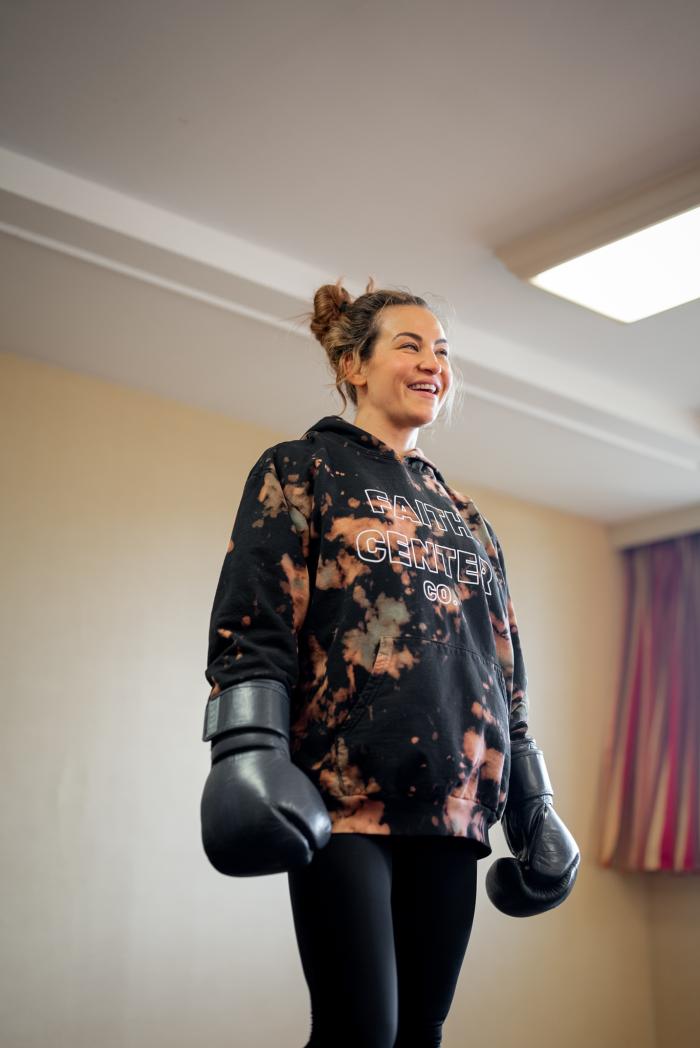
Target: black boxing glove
543,872
260,813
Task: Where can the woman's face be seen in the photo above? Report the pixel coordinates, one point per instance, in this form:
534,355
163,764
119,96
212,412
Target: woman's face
411,348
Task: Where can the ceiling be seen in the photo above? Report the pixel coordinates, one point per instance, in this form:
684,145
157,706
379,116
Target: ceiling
177,178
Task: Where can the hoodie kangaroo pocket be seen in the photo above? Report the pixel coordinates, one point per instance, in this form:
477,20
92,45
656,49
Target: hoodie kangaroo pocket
430,726
374,679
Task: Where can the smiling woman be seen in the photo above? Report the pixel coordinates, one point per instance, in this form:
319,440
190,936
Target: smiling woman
368,701
379,347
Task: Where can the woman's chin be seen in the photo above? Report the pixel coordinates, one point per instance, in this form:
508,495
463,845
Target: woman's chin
424,412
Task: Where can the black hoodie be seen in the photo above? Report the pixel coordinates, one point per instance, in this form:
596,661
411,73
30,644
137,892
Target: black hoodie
378,595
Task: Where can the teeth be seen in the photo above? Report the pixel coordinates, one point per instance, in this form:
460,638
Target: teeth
424,385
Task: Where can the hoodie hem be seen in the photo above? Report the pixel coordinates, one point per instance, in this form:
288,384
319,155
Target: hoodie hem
458,818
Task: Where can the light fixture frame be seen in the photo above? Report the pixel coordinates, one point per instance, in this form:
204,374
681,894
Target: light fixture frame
649,202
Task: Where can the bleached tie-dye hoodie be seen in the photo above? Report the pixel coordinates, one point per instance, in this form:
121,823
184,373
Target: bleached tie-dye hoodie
378,595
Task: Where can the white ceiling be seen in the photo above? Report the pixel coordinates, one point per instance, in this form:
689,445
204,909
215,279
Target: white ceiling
177,178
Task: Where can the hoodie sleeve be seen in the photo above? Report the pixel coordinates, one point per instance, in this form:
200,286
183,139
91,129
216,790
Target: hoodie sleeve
517,682
263,591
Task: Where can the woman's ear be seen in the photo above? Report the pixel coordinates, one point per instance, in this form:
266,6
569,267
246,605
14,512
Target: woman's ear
355,376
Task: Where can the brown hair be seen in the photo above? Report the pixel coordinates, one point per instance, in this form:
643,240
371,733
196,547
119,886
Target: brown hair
350,328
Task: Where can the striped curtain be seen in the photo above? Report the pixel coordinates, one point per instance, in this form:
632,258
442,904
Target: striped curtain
651,765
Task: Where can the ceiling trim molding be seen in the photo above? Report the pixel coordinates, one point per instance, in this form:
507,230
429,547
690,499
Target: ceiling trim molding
596,432
641,206
146,277
108,209
656,528
101,227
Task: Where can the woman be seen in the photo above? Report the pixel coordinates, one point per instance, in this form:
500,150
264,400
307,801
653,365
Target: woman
368,712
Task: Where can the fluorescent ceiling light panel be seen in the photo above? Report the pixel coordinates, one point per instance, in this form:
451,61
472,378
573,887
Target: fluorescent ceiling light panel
636,277
634,256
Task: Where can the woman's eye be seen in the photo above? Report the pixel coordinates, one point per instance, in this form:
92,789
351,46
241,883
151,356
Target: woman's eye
412,345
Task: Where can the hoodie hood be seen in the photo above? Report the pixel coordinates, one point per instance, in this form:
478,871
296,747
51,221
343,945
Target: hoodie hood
349,433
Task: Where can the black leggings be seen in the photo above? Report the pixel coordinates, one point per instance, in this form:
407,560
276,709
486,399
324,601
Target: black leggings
382,924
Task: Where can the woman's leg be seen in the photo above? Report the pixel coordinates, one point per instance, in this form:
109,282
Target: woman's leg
341,904
433,902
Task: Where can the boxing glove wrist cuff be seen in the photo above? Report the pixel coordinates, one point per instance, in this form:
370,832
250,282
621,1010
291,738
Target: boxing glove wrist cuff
260,704
239,741
528,775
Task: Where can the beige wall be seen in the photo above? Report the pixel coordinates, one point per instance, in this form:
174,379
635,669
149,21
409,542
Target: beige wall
674,901
118,509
